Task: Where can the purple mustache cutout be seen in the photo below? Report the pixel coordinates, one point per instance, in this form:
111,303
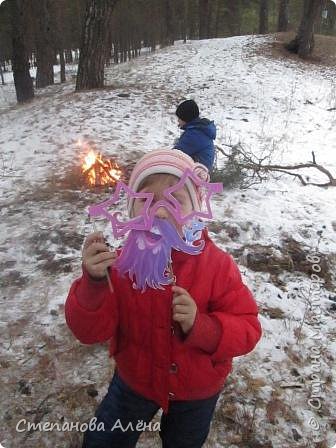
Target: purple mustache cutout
146,254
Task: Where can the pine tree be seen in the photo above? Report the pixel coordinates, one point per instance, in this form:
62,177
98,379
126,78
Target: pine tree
44,38
263,16
95,33
283,15
22,80
204,13
303,43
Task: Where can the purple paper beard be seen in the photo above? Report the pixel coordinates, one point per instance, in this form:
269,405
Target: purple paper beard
146,255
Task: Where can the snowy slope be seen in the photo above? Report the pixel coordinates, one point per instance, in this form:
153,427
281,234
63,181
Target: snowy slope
254,100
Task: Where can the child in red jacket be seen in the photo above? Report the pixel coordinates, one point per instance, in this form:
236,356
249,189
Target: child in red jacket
173,343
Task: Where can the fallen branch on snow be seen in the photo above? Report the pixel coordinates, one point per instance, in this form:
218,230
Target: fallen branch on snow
248,161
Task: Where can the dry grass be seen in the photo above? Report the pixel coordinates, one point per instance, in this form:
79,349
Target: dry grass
272,312
293,354
324,52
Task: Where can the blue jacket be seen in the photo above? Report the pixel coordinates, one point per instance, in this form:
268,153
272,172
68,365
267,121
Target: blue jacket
197,141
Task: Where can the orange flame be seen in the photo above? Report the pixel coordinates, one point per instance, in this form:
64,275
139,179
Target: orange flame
99,171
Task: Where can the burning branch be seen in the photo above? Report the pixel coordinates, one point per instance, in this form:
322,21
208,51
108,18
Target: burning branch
99,171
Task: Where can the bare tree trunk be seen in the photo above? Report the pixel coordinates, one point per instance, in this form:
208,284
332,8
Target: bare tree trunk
68,56
331,20
263,16
168,11
62,64
211,11
233,16
303,44
59,15
153,45
184,22
203,18
108,56
283,17
93,47
218,10
115,52
44,44
129,50
20,64
2,76
1,71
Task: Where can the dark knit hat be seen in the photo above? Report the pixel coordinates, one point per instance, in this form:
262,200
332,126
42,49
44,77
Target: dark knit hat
187,111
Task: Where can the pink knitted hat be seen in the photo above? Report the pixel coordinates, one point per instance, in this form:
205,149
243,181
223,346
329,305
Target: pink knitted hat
169,161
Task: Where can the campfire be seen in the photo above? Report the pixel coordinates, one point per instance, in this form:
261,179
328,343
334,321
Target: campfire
98,171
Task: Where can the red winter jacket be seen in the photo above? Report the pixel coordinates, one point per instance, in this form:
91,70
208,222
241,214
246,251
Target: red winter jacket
152,354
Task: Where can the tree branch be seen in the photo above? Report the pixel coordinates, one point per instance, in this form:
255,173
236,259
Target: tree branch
248,161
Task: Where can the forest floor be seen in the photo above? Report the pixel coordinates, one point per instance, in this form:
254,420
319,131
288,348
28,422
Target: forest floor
260,101
324,50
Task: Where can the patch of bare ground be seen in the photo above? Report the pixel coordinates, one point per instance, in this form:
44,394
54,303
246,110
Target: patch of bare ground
290,256
235,417
324,52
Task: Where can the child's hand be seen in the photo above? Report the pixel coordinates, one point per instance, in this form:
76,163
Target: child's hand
184,308
96,255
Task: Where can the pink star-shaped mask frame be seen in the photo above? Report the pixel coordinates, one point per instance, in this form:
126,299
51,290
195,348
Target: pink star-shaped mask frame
145,220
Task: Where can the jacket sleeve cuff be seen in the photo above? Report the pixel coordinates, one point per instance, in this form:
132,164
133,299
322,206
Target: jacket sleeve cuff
90,292
205,333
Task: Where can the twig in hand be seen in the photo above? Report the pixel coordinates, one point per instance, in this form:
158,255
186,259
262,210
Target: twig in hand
106,269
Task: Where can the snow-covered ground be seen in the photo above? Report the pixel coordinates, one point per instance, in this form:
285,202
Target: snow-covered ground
260,102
